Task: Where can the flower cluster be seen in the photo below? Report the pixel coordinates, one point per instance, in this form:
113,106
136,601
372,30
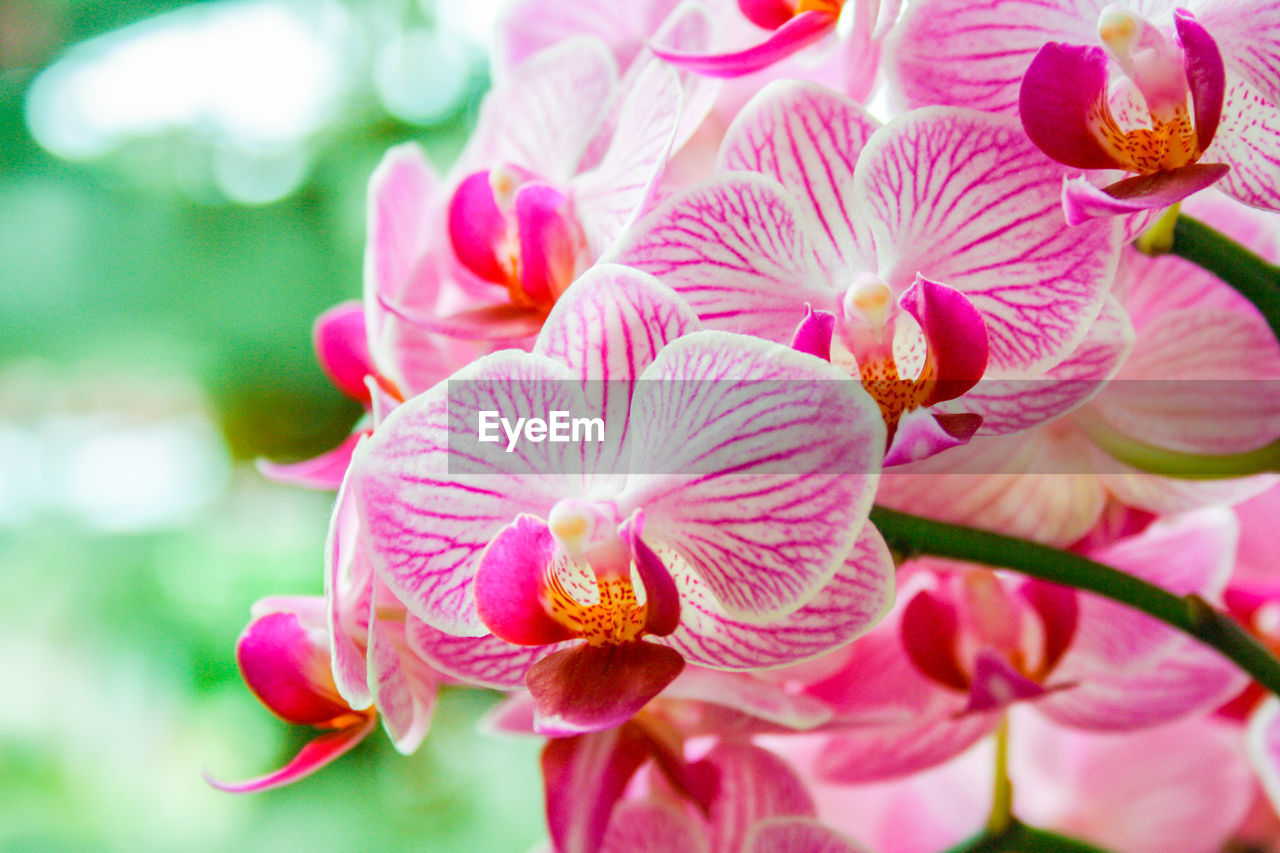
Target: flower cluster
639,365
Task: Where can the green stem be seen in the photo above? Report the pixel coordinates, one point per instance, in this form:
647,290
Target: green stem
1001,817
1173,463
1255,279
1022,838
913,535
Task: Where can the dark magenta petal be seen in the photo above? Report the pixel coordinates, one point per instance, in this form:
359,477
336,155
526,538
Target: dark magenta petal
796,34
1062,92
956,333
930,632
1206,74
342,347
769,14
996,684
548,242
813,335
510,582
477,227
287,668
316,754
923,433
584,777
589,688
1059,611
1081,201
321,472
662,598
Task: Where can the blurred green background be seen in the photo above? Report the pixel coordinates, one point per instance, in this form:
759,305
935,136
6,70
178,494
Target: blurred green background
181,193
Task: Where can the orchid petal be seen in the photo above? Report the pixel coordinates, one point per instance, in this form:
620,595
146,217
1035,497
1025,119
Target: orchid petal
797,835
320,472
315,754
431,498
956,334
930,634
1248,34
1264,746
1248,140
483,661
989,224
548,241
1082,201
503,323
510,584
1166,495
525,27
1059,610
769,703
591,688
808,139
755,784
342,348
996,684
859,594
584,777
767,14
477,228
813,335
662,598
1205,74
736,249
652,827
922,433
405,706
796,34
1062,100
286,667
749,426
401,194
348,588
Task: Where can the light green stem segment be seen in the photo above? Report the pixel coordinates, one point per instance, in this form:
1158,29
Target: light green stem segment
1154,459
1002,796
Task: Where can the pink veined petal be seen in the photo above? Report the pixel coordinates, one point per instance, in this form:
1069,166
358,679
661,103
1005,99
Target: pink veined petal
402,192
1205,74
315,754
859,594
963,197
348,582
653,827
526,120
1164,495
342,348
769,703
1264,746
808,139
1185,554
797,835
956,334
736,248
1063,94
477,228
1015,402
1248,34
584,777
526,26
320,472
1082,201
770,497
405,707
481,661
975,54
662,598
621,187
922,433
1248,140
431,497
796,34
755,784
591,688
510,584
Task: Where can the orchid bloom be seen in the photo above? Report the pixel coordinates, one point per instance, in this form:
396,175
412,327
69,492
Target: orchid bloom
719,503
284,658
1180,99
934,242
795,25
968,643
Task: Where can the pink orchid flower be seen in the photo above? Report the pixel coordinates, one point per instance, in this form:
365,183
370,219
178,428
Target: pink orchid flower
574,555
934,243
1194,103
967,643
284,659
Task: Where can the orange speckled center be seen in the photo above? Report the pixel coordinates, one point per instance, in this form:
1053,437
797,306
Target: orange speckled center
616,618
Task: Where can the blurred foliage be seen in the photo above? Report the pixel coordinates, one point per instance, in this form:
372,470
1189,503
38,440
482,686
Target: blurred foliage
119,647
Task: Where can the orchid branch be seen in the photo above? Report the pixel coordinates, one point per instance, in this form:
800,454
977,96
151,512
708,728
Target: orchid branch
913,535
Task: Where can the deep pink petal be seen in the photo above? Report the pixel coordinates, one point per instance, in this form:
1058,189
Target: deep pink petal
591,688
662,598
1082,201
316,754
740,444
922,433
755,784
796,34
956,334
1059,610
737,249
320,472
849,605
342,348
930,634
813,335
996,684
768,14
1205,74
477,228
797,835
964,198
808,138
1063,94
584,777
548,241
510,584
653,827
287,668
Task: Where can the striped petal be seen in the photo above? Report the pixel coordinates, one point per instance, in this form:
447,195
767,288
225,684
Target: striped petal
755,784
1248,140
652,827
584,777
797,835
